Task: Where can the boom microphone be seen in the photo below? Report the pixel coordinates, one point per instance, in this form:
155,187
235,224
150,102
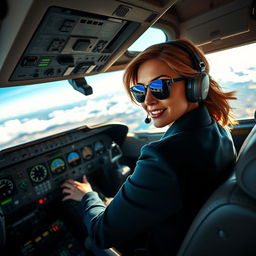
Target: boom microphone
147,120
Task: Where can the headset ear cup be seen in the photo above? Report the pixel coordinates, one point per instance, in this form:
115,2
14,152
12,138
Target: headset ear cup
205,84
191,90
197,88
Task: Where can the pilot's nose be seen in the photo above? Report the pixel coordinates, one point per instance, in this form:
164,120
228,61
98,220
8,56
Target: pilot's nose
150,99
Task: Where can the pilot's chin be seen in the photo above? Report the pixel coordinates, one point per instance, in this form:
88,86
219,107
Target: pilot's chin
158,124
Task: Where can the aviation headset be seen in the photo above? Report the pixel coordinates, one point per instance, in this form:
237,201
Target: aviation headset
196,88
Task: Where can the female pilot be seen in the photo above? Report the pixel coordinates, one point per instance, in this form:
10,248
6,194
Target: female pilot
175,175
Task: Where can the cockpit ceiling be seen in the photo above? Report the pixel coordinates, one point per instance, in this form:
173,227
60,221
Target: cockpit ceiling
215,24
44,41
184,10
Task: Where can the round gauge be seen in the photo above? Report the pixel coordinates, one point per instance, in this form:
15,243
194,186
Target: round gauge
38,173
6,188
98,147
87,153
57,165
73,159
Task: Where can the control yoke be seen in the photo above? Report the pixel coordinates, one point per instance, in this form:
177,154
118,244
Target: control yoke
115,154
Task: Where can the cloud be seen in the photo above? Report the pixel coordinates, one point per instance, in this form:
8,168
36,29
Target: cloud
14,128
22,101
43,100
253,86
241,73
224,74
225,66
93,110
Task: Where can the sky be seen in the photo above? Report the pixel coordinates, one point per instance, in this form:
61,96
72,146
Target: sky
234,64
29,112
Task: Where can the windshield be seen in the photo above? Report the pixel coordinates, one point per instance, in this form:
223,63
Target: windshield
235,70
35,111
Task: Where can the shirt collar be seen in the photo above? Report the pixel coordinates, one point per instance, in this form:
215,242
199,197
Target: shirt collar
192,120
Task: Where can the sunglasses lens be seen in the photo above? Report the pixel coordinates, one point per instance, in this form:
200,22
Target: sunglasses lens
159,89
139,92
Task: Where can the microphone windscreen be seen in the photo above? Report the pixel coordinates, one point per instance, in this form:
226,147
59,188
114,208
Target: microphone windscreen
147,120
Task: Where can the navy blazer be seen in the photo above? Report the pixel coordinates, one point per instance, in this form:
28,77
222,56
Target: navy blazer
172,179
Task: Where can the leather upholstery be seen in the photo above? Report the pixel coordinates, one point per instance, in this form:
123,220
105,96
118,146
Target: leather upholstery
246,165
226,225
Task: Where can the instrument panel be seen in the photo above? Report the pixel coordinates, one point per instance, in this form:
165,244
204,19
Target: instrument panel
37,179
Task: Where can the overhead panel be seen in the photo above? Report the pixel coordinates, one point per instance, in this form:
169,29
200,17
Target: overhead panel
71,42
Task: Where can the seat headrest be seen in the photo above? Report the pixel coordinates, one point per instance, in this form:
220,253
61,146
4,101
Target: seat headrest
245,167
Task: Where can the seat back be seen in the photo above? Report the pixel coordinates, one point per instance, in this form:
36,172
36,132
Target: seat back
226,224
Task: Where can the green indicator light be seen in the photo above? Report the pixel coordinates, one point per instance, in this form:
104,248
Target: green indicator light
45,60
43,65
6,201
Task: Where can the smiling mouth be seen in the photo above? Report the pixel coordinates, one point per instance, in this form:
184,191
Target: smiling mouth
156,113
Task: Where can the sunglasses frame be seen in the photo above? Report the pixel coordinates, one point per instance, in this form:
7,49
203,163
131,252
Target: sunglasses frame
164,96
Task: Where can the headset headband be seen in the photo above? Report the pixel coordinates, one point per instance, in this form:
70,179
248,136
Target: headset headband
198,64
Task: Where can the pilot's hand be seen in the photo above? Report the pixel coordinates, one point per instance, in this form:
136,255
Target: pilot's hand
75,190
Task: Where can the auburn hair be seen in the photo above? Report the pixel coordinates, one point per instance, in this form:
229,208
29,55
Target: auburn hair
181,62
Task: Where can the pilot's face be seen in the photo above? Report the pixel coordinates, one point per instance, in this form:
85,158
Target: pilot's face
163,112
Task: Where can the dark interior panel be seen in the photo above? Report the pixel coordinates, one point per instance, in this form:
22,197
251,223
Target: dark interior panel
30,194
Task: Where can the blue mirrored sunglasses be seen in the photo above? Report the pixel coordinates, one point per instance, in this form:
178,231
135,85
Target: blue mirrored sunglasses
158,88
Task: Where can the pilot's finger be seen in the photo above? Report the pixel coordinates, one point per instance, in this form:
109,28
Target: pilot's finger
85,179
66,185
68,197
76,183
70,181
67,191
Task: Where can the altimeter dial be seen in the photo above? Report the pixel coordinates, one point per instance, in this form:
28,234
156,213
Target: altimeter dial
38,173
